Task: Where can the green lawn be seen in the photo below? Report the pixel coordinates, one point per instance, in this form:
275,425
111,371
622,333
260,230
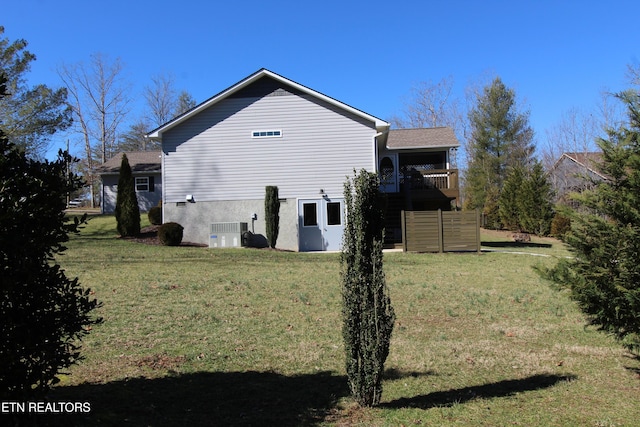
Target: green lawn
195,336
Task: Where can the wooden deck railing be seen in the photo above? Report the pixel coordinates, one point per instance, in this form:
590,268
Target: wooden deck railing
423,179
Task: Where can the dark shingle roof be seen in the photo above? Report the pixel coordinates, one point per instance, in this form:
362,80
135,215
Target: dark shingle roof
140,161
440,137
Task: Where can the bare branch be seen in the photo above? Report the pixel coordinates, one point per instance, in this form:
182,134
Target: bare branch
162,98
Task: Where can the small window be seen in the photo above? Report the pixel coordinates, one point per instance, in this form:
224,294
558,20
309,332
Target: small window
309,214
334,213
142,183
266,134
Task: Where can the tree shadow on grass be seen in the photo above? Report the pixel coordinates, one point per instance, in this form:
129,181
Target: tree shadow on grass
636,359
486,391
515,245
397,374
206,399
245,399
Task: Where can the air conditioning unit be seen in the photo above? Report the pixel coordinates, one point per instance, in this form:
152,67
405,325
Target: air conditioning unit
227,234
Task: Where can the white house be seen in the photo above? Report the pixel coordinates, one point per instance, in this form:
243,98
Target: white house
267,130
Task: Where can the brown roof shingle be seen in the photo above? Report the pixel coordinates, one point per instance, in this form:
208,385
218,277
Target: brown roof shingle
439,137
140,161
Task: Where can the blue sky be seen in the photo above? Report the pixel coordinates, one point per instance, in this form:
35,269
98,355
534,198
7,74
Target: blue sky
555,54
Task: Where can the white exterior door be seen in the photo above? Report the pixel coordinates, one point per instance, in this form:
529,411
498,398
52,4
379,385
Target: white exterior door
320,224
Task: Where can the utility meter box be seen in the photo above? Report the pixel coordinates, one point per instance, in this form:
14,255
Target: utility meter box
227,234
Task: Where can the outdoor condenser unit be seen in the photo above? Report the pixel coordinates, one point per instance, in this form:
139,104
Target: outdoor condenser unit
226,234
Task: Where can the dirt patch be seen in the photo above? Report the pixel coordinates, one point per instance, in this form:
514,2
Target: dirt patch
509,236
161,361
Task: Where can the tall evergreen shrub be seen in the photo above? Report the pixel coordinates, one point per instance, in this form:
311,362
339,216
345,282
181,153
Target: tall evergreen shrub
127,210
560,225
525,200
536,209
272,214
368,316
43,313
509,200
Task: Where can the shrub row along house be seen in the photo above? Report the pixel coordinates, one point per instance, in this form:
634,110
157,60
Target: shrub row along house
267,130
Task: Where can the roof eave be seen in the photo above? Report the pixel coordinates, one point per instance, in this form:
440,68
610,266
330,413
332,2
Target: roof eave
422,147
588,168
132,172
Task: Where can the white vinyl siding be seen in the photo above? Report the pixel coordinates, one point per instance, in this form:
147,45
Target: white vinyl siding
214,157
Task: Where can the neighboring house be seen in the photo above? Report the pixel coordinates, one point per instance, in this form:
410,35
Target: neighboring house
575,172
146,167
266,130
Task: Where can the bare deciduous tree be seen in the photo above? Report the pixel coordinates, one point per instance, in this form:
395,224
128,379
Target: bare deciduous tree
633,74
577,129
162,99
99,97
431,105
575,132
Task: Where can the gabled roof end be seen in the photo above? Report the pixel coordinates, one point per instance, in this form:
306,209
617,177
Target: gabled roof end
156,134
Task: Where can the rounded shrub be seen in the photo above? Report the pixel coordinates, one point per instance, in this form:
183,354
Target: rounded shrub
170,234
155,215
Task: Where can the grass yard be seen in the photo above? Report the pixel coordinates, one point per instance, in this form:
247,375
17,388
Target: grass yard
193,336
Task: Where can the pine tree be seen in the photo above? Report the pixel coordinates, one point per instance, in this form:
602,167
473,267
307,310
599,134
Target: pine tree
525,200
368,317
509,202
272,214
604,275
127,210
534,202
29,115
500,138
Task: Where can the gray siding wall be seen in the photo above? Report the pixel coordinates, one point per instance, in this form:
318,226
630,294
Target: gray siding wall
213,156
197,217
146,199
569,176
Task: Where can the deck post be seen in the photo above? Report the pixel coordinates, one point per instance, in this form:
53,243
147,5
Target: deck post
478,231
440,232
404,230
